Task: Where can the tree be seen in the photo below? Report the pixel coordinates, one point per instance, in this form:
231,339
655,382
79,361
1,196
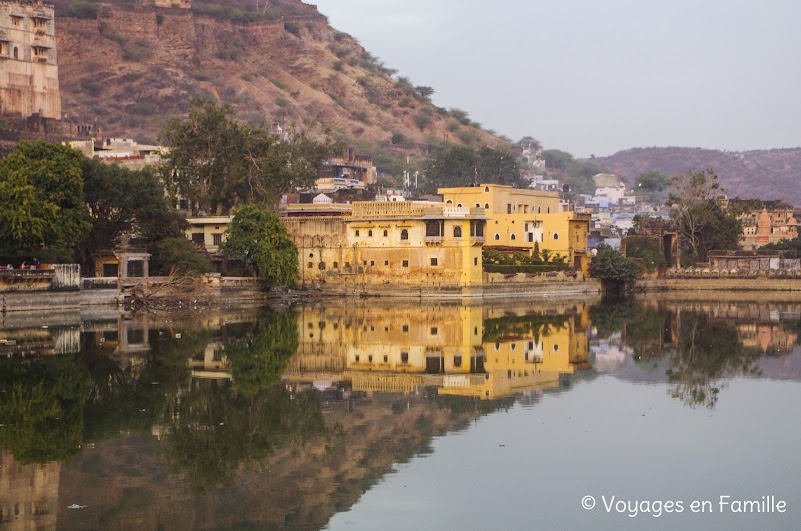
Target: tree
614,270
703,225
257,236
456,165
177,255
651,183
125,201
218,163
42,204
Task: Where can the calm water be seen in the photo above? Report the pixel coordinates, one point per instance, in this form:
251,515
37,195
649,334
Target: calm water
365,415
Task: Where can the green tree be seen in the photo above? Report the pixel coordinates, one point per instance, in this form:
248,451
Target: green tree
703,225
456,165
615,270
257,236
178,256
42,204
125,201
218,163
651,183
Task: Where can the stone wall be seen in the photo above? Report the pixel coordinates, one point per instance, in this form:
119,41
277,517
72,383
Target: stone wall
718,283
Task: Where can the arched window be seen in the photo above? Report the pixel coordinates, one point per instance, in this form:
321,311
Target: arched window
486,189
514,237
449,202
555,235
478,205
497,237
16,53
336,265
385,234
370,233
459,205
457,232
357,234
486,205
404,234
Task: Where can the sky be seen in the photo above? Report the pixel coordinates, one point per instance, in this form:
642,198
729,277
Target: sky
599,76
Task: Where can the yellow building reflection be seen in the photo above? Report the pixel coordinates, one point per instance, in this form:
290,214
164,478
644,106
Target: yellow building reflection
402,349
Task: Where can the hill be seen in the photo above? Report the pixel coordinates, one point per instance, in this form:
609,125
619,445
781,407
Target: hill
763,174
128,65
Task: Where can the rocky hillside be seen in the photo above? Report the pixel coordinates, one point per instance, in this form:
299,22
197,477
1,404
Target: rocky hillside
129,65
764,174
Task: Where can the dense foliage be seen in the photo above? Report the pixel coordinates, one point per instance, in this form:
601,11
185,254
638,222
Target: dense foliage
257,236
614,269
453,165
42,205
218,163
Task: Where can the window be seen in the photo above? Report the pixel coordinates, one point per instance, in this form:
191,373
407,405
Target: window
486,189
386,262
217,238
357,234
513,237
478,205
457,232
16,53
372,263
449,202
459,205
370,233
433,261
404,357
385,234
539,210
434,330
370,358
311,255
336,265
386,358
497,237
549,210
508,208
525,209
321,265
405,263
475,261
433,228
197,237
514,346
357,358
310,265
486,205
404,234
405,328
555,235
457,361
556,348
530,236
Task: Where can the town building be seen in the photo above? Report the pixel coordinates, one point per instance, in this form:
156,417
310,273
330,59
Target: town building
208,232
29,73
764,221
384,242
346,170
519,218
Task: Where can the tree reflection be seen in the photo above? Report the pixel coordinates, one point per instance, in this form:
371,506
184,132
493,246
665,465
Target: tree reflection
708,349
42,407
217,424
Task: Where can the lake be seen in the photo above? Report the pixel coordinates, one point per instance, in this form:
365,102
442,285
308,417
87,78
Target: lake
371,414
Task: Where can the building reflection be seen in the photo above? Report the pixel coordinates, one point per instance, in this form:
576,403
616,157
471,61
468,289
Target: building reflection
28,494
400,349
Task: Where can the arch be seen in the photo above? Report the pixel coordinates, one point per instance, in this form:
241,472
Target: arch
459,205
385,234
357,233
370,233
478,205
555,235
497,236
486,206
404,234
457,232
449,202
514,237
486,189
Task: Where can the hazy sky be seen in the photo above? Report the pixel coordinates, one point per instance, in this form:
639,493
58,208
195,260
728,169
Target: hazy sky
598,76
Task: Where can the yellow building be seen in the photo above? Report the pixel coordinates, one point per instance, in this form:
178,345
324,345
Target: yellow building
519,218
382,242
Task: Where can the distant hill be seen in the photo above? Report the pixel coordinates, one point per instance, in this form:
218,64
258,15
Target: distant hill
127,65
763,174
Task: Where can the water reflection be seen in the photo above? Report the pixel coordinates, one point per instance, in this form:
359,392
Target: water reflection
294,414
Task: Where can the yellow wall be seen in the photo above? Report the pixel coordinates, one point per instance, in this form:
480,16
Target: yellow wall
209,227
534,217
